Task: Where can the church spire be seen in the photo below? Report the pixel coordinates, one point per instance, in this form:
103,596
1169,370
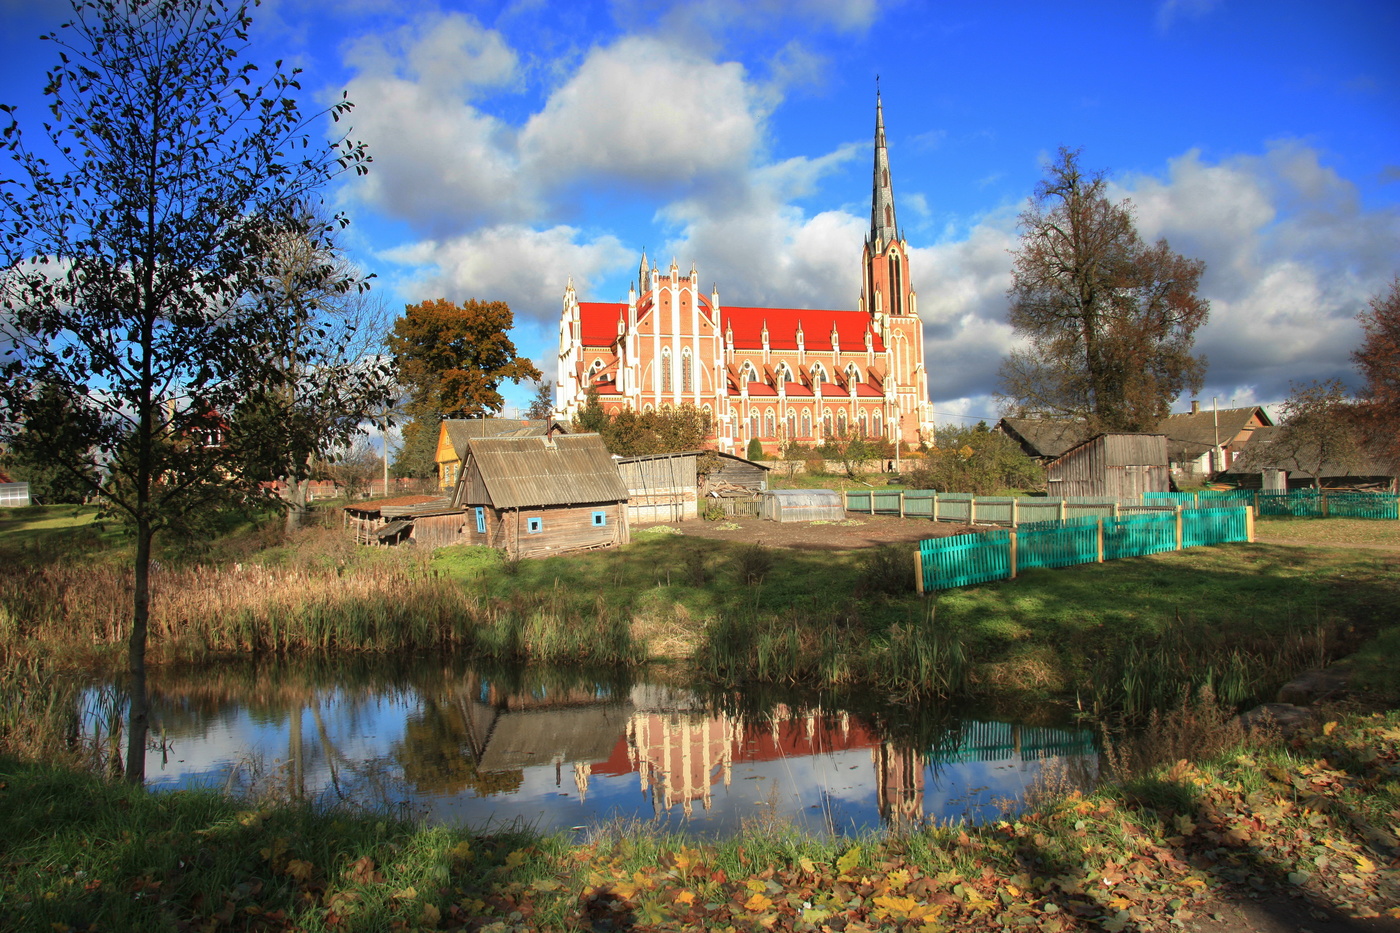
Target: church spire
882,226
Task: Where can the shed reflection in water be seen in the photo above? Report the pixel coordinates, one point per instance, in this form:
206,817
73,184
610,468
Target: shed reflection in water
557,749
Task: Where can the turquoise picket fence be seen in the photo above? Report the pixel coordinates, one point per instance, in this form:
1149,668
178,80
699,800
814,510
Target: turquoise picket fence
1139,536
964,559
1299,503
1201,527
999,554
1060,545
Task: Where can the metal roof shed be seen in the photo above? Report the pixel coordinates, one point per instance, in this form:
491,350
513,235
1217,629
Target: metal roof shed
803,505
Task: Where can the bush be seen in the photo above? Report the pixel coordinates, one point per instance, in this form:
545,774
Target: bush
887,569
755,451
753,562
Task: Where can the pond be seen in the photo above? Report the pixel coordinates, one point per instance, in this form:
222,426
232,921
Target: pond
483,747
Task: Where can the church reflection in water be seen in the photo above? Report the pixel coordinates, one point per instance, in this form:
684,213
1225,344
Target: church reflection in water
459,745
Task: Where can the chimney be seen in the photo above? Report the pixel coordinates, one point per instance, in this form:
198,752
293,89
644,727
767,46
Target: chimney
1195,407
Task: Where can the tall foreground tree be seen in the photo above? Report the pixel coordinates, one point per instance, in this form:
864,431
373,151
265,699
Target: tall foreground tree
137,240
1109,321
1378,358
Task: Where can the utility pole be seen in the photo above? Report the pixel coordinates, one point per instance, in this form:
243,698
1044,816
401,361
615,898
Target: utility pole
1218,456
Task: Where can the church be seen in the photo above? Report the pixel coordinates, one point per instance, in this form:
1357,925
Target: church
774,374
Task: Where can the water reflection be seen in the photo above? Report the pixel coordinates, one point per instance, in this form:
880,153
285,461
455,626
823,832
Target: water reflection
554,749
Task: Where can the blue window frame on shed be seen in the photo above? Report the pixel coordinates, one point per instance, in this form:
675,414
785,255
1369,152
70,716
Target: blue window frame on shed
600,518
480,520
534,525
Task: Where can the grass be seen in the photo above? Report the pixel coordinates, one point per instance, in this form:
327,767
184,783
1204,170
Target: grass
1127,636
1166,844
1325,532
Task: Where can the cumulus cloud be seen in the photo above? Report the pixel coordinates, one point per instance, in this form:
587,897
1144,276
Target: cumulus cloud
1291,256
440,162
524,267
646,113
716,17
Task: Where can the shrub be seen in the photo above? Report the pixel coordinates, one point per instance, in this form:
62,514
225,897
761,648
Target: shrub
753,562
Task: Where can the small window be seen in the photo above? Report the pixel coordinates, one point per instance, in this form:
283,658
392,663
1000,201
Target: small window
600,518
534,525
480,520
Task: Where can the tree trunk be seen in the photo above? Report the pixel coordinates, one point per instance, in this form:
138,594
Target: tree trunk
295,496
139,715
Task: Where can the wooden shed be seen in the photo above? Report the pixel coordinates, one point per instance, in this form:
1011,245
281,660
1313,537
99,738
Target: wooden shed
668,487
533,496
1122,465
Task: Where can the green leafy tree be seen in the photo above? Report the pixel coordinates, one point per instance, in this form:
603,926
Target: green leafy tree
542,402
755,449
137,240
629,433
976,460
50,454
1109,321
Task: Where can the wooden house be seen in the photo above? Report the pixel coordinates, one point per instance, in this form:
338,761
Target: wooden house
1275,468
1043,440
453,434
668,487
538,495
1122,465
1202,443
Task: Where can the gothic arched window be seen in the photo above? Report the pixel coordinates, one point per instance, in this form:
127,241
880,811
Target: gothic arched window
875,424
826,424
687,372
665,369
791,425
841,423
864,426
753,424
768,424
806,424
819,374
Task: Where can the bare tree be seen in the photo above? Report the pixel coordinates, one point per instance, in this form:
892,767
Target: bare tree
1378,358
1317,434
137,239
1110,322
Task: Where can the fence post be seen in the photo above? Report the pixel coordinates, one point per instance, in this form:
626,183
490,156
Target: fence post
1115,510
1014,522
871,494
1249,525
1064,509
919,570
1013,555
1256,500
1100,549
935,507
1178,527
901,503
846,500
1324,504
972,511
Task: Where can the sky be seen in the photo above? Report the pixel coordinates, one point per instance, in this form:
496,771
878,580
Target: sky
518,144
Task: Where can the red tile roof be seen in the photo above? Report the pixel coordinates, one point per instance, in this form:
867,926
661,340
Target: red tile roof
600,321
747,324
600,326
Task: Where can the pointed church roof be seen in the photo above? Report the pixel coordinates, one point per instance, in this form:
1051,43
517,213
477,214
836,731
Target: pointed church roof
882,224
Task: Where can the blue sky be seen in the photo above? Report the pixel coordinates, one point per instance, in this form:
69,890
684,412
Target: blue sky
517,144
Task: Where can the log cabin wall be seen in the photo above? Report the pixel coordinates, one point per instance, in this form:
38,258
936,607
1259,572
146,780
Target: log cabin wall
537,532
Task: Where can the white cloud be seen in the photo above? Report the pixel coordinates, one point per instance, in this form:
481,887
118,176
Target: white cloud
439,162
1291,256
717,17
526,268
646,113
1169,11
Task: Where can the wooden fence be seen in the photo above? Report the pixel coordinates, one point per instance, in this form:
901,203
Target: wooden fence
1307,503
1011,511
943,563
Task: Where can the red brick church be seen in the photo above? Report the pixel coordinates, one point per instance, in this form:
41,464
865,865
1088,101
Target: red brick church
768,373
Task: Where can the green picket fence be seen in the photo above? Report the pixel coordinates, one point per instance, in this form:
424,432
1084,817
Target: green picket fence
1299,503
944,563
